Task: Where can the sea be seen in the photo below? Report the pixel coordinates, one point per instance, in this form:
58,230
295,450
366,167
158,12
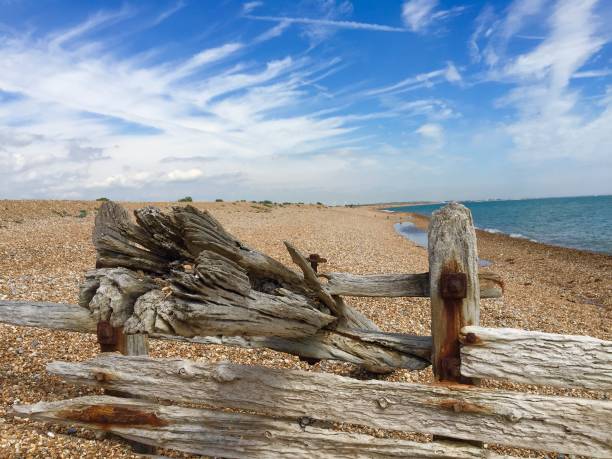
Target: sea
583,222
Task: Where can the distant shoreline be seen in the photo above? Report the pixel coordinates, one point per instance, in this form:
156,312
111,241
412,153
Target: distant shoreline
422,222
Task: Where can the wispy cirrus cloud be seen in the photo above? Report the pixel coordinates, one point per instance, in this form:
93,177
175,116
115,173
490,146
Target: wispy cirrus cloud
247,7
553,118
330,23
114,123
423,80
418,15
329,17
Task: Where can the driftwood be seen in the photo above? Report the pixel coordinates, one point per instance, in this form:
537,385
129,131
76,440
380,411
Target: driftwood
238,435
397,285
373,350
570,425
180,273
532,357
202,280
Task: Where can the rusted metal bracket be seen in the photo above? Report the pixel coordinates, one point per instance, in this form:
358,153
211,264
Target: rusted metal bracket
315,259
107,335
453,286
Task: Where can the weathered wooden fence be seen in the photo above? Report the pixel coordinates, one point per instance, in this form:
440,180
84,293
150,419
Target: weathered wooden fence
181,276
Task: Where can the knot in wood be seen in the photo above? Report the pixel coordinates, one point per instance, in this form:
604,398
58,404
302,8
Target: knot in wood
383,402
268,434
304,421
222,374
184,372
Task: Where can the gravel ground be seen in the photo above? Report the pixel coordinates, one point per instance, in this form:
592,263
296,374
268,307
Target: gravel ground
45,248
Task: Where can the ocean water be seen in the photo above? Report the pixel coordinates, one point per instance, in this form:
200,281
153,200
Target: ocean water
582,222
410,231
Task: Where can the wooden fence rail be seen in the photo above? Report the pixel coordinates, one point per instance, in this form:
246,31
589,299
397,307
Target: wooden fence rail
536,358
575,425
521,356
399,285
223,434
361,347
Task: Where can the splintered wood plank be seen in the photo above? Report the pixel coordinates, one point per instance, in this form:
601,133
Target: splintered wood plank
533,357
398,285
563,424
237,435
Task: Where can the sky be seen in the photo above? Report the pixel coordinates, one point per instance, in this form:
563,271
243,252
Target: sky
317,100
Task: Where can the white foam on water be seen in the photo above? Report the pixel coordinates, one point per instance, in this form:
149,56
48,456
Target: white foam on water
492,230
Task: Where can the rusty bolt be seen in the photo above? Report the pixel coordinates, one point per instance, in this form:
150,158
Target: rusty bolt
315,259
471,338
453,286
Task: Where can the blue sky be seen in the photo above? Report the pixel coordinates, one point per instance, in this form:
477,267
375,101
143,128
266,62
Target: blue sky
317,100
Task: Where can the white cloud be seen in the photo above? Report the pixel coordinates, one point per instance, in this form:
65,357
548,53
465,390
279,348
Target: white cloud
79,103
250,6
452,74
273,32
168,13
178,175
418,15
553,119
422,80
431,131
498,31
205,57
329,23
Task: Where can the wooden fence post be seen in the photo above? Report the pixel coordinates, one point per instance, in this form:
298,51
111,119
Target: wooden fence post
454,290
454,287
113,339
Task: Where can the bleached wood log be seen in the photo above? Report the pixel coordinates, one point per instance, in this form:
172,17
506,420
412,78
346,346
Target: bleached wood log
287,316
564,424
230,280
533,357
454,286
397,285
57,316
237,435
373,350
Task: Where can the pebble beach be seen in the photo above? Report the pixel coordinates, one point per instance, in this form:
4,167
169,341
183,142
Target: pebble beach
45,249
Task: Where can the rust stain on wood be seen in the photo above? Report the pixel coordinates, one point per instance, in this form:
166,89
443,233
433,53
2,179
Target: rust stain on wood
102,377
470,339
452,385
449,358
106,416
460,406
